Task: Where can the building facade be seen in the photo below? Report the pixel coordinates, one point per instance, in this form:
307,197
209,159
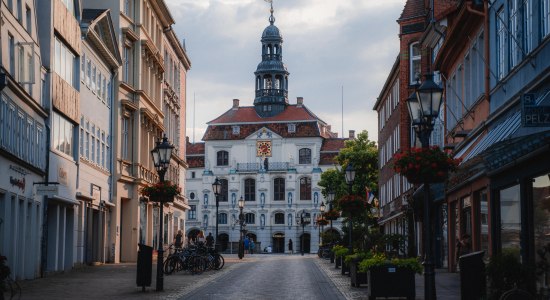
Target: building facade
23,136
271,155
99,65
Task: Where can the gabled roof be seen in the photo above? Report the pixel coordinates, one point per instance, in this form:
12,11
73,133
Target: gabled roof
333,145
225,132
97,27
247,114
413,9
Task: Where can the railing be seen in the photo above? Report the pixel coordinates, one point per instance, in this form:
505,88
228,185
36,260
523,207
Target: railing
256,167
271,92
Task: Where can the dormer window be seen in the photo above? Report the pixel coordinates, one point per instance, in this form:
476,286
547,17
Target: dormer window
267,107
291,128
236,130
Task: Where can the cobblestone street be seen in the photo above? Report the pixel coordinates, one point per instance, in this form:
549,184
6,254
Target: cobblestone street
254,277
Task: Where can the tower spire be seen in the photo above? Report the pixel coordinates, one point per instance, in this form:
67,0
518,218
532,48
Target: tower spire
271,18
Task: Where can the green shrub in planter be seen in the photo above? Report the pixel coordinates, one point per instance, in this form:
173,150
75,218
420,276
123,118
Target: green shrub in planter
505,272
339,250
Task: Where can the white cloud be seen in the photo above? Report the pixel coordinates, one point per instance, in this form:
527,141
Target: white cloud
327,44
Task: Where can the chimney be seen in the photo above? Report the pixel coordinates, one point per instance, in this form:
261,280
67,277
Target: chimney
352,134
235,103
299,101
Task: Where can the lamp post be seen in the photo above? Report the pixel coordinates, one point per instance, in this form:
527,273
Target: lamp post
162,153
322,209
350,177
241,223
217,188
330,198
304,219
423,110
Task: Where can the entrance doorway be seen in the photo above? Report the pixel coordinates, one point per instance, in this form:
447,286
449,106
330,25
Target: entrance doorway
306,239
223,241
279,243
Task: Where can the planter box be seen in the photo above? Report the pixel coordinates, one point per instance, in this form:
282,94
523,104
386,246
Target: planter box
338,262
331,257
345,266
357,278
382,282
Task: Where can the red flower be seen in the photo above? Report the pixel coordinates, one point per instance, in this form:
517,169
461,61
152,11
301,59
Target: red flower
421,165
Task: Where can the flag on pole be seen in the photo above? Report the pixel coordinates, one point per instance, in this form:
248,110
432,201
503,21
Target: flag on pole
369,195
269,1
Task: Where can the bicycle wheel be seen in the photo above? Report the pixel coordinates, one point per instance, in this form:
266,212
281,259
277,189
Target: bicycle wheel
219,262
170,265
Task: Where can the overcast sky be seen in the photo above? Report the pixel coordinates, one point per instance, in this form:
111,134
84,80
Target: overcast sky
327,45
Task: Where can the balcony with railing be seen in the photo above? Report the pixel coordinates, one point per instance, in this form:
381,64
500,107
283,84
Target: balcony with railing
260,167
271,92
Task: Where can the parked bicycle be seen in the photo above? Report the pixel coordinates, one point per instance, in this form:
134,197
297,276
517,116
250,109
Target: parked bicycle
9,289
195,259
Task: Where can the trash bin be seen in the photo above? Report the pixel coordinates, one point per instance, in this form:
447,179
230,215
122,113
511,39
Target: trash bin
472,276
144,266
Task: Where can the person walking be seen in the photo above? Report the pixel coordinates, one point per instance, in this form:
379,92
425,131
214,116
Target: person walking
210,240
246,244
252,246
290,248
178,240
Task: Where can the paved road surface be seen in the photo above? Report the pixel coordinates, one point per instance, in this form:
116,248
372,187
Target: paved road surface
271,277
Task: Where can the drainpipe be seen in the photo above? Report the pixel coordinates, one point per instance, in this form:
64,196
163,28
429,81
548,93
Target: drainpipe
486,50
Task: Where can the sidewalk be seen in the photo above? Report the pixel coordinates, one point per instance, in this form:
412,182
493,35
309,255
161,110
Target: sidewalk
447,284
116,281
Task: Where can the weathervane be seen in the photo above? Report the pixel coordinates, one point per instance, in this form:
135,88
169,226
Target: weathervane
271,18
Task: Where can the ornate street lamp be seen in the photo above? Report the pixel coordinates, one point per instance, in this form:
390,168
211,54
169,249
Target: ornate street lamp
241,223
303,220
162,153
217,189
423,111
350,178
322,208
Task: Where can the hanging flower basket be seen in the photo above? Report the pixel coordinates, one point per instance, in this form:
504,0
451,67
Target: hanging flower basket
331,215
352,204
161,191
420,165
322,222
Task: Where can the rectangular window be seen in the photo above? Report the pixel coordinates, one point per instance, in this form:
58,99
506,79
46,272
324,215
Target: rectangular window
125,136
87,141
528,26
510,218
192,212
545,17
20,12
93,79
515,33
28,17
103,161
415,58
108,93
41,148
12,54
501,43
83,67
126,62
62,134
64,62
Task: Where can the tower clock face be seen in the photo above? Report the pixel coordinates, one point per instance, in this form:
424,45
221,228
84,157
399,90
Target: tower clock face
263,148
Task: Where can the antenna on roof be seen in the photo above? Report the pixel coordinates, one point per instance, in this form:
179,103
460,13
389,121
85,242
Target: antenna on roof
194,109
342,111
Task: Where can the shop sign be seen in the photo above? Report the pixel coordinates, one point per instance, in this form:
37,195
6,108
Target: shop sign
47,190
533,115
20,183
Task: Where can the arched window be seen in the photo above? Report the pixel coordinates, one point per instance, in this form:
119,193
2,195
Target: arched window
224,195
223,158
305,188
280,218
276,49
222,218
250,218
268,49
414,57
249,189
304,156
267,83
279,189
277,82
258,83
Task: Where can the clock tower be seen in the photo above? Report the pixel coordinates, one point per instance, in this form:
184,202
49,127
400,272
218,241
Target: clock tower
271,74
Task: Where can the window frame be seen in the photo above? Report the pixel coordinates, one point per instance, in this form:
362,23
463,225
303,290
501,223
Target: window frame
305,188
222,158
304,156
279,186
249,189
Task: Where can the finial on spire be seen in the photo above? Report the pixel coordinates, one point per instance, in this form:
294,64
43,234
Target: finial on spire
271,18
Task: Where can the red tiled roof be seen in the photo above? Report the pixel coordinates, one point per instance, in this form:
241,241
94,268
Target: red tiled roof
225,132
333,145
195,148
247,114
413,8
327,159
195,162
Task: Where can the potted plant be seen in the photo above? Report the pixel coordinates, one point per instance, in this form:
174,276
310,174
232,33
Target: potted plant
383,273
424,164
339,251
352,204
161,191
357,277
505,272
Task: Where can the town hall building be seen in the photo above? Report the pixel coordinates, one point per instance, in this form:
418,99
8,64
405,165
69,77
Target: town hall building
272,155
